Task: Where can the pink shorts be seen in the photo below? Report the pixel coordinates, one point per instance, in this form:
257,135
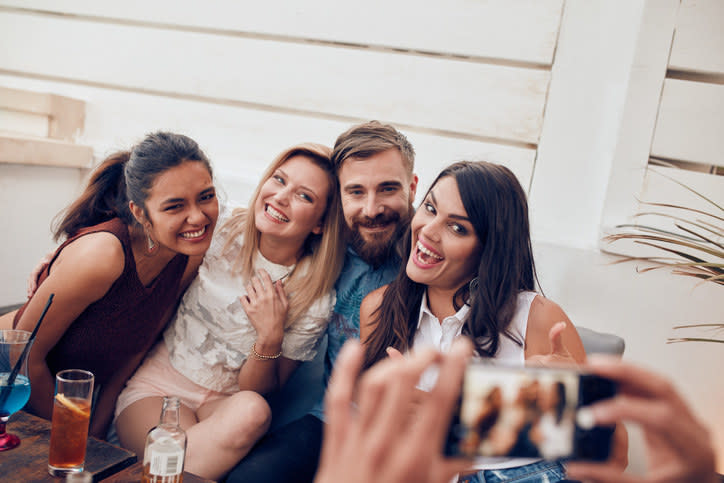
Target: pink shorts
156,377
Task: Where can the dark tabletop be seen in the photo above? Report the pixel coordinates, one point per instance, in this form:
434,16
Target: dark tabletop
29,461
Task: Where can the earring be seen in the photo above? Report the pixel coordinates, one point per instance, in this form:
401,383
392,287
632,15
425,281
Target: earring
472,286
151,245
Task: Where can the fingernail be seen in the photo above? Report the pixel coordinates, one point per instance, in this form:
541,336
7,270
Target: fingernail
350,346
585,418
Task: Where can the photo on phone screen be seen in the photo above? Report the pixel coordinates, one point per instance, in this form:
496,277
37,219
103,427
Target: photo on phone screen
525,413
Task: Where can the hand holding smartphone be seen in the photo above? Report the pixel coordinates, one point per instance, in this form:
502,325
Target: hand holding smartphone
529,412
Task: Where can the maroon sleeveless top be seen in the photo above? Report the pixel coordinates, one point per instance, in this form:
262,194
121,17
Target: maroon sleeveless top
126,321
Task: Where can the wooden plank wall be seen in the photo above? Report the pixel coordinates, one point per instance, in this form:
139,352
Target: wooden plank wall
688,143
463,80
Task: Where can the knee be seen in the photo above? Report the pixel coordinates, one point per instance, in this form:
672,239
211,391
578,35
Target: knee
258,411
249,419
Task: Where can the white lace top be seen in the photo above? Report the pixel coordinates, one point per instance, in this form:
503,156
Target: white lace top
210,337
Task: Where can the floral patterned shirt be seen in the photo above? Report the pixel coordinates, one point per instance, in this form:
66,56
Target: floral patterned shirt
211,336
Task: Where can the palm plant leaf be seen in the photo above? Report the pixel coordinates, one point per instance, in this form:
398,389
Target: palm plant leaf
641,238
694,246
652,229
682,268
689,188
712,327
699,235
674,340
713,229
679,207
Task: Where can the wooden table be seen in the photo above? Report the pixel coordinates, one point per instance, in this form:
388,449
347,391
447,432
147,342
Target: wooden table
132,474
29,461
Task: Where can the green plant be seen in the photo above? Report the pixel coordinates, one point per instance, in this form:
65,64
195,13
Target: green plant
693,247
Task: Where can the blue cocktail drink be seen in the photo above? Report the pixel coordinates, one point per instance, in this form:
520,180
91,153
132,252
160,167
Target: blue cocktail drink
13,370
18,396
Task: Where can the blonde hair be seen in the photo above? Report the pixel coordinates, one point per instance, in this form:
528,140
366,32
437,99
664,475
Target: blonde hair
317,269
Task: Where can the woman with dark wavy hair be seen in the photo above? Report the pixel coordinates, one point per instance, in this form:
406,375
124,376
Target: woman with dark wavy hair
470,272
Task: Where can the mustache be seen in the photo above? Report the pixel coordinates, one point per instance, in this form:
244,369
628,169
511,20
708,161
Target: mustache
379,220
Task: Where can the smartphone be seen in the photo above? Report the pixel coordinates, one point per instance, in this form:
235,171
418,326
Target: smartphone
527,412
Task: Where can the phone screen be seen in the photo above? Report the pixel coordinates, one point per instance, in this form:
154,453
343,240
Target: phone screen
522,412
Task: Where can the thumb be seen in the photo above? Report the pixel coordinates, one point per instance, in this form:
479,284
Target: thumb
555,336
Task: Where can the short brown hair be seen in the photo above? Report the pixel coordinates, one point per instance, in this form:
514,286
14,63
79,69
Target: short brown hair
369,138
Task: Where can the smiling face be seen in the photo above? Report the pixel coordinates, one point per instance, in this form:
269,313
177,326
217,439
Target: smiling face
181,209
376,193
292,202
445,250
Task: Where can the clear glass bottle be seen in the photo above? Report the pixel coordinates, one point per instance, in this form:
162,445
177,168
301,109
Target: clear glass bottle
163,456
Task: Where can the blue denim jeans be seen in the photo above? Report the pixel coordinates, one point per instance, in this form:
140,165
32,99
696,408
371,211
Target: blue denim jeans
538,472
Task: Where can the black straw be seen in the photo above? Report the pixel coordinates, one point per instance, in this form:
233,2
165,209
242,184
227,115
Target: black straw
14,373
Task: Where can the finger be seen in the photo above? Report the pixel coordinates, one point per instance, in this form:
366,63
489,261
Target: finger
33,278
32,285
449,467
281,293
258,283
436,410
395,380
393,353
252,288
392,424
657,417
555,335
338,399
597,473
245,303
632,379
264,278
384,380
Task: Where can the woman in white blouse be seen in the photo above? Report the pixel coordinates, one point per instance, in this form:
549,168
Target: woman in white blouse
258,307
470,272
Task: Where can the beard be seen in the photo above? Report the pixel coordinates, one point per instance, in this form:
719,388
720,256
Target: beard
376,248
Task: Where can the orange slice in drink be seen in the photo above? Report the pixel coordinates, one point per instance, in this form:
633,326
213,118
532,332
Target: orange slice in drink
71,405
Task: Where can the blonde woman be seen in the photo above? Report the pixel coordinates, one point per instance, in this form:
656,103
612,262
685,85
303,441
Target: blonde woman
258,308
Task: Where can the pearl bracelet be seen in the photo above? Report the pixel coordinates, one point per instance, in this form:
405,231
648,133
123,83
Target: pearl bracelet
263,357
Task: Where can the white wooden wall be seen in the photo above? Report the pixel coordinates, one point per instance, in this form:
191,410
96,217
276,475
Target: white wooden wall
467,80
690,117
607,102
574,96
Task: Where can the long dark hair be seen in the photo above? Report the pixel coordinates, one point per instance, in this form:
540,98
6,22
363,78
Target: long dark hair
127,176
497,208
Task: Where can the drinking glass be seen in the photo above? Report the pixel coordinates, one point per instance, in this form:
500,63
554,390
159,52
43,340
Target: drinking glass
69,425
14,397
